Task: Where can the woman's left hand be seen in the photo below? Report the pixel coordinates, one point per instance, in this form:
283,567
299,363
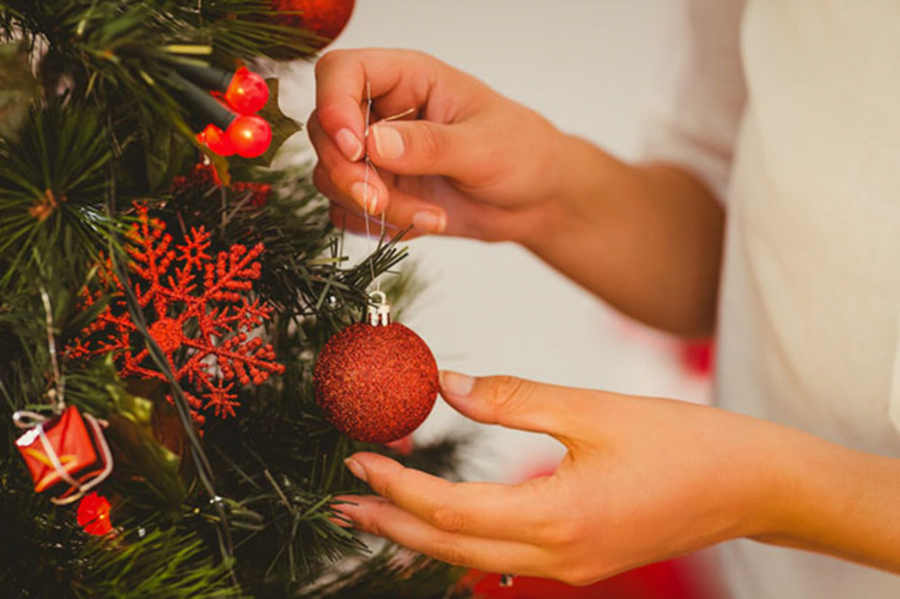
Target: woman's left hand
643,480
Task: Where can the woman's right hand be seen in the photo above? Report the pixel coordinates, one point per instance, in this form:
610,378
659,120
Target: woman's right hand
466,161
471,163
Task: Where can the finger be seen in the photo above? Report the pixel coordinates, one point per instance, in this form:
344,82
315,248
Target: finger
512,512
346,214
354,222
347,182
406,210
342,77
328,189
380,517
520,404
367,191
428,148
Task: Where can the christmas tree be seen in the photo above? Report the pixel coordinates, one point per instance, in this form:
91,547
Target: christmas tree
164,294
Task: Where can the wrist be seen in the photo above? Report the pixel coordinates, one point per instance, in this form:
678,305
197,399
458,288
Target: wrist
813,492
578,178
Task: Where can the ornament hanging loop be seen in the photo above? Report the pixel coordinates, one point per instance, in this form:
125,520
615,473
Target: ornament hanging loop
26,419
57,394
378,312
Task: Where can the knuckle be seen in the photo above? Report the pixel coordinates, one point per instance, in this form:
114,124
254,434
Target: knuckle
342,176
413,54
312,123
319,175
328,114
337,215
389,485
322,181
372,526
327,61
449,552
448,519
577,575
562,533
422,59
431,143
505,392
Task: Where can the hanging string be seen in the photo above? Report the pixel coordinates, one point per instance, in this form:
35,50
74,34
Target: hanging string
58,393
28,419
34,421
369,168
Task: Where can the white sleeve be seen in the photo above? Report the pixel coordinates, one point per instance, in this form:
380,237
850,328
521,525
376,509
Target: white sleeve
697,124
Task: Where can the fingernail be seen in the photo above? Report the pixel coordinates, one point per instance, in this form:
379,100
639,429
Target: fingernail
388,141
356,468
430,221
367,198
349,144
455,383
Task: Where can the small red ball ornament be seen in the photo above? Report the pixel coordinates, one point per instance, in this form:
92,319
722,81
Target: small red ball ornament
376,381
216,140
325,18
250,135
247,93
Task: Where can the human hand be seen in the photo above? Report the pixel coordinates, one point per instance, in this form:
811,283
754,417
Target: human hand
471,162
643,480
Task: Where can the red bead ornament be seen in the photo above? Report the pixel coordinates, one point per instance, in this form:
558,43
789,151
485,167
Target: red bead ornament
93,515
376,382
250,135
66,455
216,140
247,93
200,313
325,18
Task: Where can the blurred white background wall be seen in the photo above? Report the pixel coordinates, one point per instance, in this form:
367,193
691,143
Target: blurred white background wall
593,67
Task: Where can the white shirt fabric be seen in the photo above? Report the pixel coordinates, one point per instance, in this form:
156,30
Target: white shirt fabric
790,110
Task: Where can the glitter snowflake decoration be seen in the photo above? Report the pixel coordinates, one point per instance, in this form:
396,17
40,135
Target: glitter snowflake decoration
199,314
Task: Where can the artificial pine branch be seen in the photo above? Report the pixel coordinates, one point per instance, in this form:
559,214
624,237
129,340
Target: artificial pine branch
106,129
52,184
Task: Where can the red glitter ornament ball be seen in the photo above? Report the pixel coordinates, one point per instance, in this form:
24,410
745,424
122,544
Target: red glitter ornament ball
325,18
376,383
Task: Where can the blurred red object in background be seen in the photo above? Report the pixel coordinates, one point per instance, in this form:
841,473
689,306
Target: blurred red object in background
676,579
698,357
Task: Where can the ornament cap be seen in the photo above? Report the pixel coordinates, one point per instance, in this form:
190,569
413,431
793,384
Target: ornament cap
378,312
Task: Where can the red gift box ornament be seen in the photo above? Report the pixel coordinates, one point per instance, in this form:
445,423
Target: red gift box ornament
67,454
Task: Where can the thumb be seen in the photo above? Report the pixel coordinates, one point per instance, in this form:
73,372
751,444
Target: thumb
421,148
515,403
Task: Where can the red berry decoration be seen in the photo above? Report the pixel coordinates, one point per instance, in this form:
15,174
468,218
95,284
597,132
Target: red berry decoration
216,140
325,18
93,515
247,93
250,135
376,381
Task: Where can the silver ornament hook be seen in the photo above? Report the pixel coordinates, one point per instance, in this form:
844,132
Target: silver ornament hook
378,312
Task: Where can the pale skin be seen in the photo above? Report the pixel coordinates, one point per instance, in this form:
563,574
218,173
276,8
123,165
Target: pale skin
644,479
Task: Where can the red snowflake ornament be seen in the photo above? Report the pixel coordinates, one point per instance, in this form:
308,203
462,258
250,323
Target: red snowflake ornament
199,314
